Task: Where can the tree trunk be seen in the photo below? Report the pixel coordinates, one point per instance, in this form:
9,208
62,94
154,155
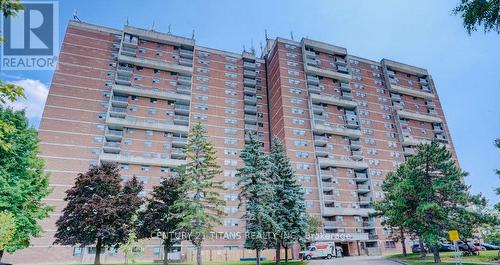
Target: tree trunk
422,248
278,253
435,252
1,254
257,257
165,254
403,243
198,255
286,253
97,259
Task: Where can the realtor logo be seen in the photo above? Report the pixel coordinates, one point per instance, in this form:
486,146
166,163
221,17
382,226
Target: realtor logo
31,37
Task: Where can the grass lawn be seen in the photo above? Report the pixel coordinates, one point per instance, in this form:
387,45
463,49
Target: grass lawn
267,262
485,257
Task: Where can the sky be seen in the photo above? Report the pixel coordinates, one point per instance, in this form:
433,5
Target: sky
465,69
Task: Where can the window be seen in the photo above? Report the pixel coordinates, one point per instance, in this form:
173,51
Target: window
389,244
202,78
291,63
293,72
77,251
145,168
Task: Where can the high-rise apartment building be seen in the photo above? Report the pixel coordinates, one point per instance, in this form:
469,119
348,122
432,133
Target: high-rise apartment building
129,96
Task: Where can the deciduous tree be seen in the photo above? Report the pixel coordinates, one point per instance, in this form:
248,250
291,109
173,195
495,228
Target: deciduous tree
477,13
99,209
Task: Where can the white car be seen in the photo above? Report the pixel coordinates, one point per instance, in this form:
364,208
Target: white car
324,251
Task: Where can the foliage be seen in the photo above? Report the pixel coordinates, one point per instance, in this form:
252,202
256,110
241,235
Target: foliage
289,210
10,92
99,209
256,195
160,215
10,7
133,247
314,224
23,183
7,228
203,207
427,192
479,12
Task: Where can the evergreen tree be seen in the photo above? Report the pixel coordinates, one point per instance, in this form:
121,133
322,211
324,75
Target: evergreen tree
160,215
256,195
99,209
428,192
23,183
289,211
203,207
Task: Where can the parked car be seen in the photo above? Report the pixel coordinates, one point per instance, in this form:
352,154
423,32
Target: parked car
487,246
416,248
463,247
446,247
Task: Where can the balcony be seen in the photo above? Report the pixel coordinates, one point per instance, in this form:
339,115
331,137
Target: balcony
145,125
411,92
331,162
314,89
186,62
250,127
363,188
178,153
250,109
182,109
320,140
430,103
423,81
117,112
345,87
123,80
368,224
249,82
395,97
340,61
149,93
250,119
335,101
250,100
352,123
328,197
155,64
408,151
437,128
124,70
355,145
312,80
312,62
184,80
118,101
111,147
184,90
365,200
357,155
398,105
418,116
318,109
139,160
130,41
360,177
310,54
179,141
441,138
332,223
181,120
186,53
113,135
249,73
341,73
322,151
128,51
250,91
249,66
346,95
334,211
391,73
321,127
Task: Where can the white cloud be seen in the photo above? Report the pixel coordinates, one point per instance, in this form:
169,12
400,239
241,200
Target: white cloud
36,93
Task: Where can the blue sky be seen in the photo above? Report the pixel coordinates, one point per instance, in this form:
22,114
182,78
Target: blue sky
466,69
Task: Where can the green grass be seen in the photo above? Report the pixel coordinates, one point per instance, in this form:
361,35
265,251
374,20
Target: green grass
267,262
485,257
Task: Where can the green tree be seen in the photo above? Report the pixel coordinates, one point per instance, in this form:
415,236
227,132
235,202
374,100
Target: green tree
479,12
314,224
23,183
160,215
289,210
7,228
10,7
203,207
497,171
133,247
99,209
431,185
256,195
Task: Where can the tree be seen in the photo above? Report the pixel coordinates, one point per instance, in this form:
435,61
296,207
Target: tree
10,7
428,192
203,207
289,210
479,12
256,195
160,215
497,171
133,246
99,209
23,183
7,228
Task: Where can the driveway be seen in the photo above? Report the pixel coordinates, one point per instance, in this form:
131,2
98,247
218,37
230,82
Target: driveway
363,260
